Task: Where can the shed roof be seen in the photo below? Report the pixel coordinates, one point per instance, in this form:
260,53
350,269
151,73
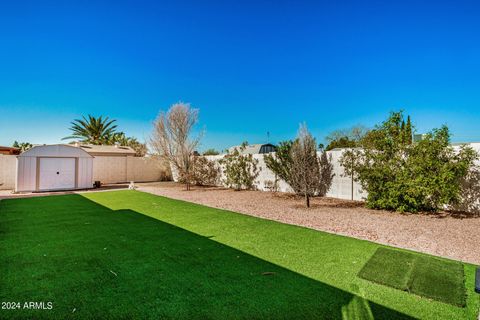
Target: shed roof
55,150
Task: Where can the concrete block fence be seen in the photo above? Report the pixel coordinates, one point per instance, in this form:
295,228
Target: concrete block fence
341,187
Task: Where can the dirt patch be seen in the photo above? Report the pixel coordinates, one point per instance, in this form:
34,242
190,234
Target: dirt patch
438,234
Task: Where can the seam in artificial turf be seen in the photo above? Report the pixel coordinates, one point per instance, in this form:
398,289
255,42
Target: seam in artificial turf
410,275
378,265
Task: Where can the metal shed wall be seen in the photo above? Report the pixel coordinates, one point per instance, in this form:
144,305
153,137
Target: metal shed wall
27,166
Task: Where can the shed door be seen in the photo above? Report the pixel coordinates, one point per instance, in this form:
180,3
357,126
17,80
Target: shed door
57,173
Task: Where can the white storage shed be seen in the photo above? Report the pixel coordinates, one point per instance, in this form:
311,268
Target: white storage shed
54,167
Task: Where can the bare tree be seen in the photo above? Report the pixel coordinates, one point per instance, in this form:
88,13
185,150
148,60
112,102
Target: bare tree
305,170
172,139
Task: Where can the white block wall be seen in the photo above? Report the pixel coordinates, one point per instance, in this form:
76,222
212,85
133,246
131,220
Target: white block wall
340,188
7,171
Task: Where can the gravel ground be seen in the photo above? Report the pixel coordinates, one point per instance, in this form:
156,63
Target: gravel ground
445,234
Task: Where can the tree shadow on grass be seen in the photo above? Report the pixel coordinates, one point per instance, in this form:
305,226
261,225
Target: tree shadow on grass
96,263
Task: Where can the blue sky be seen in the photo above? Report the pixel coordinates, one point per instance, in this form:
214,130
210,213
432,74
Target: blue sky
249,66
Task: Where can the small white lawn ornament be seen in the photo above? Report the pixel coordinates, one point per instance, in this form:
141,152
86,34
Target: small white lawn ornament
131,186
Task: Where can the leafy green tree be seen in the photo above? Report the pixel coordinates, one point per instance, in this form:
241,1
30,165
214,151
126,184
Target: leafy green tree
240,170
211,152
93,130
346,138
403,132
398,175
118,138
342,142
409,131
205,172
132,142
280,162
23,146
406,131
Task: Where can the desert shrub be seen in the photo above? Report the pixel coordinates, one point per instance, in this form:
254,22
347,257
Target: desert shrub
405,176
240,170
305,171
297,163
309,174
205,172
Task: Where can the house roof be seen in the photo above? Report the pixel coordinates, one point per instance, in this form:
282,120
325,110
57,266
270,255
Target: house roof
250,149
10,150
106,150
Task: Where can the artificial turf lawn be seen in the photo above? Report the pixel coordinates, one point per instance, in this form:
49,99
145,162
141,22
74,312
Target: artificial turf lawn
426,276
127,254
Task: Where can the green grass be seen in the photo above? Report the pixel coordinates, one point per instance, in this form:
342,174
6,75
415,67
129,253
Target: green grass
426,276
132,255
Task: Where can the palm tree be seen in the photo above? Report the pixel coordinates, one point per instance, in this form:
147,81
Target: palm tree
93,130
